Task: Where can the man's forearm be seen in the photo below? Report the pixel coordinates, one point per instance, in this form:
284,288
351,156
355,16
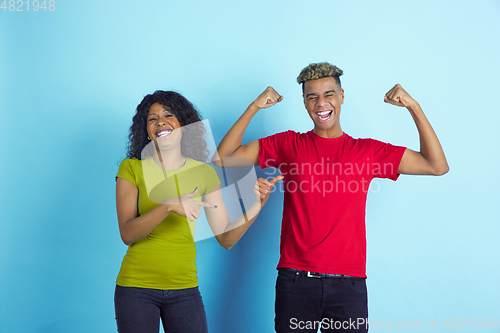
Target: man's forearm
230,145
232,139
236,229
430,148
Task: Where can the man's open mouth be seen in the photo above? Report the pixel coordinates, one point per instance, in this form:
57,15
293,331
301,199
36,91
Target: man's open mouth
324,116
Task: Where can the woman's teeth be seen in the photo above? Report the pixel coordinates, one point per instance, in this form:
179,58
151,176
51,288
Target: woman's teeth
164,133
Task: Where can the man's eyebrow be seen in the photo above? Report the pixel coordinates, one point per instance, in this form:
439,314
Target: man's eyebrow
326,92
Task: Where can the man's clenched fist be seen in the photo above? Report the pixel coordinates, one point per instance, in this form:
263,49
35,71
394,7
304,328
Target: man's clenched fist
399,97
267,99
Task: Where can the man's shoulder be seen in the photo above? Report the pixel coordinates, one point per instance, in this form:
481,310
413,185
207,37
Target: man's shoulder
288,134
361,145
361,141
371,144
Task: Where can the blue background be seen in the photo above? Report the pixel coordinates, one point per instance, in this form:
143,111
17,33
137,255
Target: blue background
69,84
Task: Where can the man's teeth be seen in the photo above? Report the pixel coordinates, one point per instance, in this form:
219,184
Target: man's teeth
324,114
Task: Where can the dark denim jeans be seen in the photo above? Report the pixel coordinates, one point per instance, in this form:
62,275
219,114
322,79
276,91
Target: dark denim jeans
302,303
138,310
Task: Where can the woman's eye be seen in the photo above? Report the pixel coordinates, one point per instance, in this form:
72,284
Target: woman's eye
168,115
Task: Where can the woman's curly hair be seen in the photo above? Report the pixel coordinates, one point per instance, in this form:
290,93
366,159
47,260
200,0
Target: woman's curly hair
193,142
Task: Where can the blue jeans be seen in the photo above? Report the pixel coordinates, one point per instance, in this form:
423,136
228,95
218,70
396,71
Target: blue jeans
302,303
138,310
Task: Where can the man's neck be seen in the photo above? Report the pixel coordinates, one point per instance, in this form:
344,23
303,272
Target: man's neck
330,133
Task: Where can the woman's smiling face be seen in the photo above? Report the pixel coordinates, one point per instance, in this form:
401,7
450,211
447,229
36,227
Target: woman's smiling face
163,126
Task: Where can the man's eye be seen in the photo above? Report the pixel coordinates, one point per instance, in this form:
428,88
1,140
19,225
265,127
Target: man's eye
311,98
329,95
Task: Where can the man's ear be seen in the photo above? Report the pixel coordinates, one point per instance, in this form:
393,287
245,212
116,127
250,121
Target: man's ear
341,96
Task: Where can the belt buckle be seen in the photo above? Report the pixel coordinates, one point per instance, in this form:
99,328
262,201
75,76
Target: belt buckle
313,276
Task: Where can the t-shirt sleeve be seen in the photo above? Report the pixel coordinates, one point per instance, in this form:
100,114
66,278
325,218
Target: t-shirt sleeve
211,178
126,171
386,159
271,149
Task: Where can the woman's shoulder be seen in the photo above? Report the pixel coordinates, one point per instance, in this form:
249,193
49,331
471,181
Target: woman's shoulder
133,164
130,169
131,161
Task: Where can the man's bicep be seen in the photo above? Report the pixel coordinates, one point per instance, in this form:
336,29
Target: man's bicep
414,163
248,151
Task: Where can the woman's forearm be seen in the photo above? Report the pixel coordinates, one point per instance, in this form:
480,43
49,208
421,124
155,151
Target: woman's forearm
138,228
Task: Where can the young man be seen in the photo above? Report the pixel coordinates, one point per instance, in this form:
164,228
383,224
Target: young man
326,176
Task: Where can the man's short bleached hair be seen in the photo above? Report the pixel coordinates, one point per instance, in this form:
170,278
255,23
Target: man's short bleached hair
318,71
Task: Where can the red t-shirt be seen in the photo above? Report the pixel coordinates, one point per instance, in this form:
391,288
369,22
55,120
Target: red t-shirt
325,187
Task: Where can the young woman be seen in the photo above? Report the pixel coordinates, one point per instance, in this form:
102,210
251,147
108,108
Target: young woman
160,188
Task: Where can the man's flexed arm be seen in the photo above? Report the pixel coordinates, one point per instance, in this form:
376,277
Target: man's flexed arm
230,146
430,160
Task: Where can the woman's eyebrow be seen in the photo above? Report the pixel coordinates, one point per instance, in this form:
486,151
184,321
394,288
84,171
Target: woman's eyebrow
164,110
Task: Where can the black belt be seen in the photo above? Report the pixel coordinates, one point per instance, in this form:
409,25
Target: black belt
320,275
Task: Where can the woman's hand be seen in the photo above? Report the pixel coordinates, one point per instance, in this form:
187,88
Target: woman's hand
186,206
263,188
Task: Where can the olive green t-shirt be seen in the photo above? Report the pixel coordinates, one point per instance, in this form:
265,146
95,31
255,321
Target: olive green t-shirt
164,259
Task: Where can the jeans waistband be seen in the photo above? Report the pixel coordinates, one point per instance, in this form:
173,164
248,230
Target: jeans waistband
320,275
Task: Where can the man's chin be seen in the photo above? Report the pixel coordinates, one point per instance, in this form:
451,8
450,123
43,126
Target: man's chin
324,126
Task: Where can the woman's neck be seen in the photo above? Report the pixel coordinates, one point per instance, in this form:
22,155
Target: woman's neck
169,159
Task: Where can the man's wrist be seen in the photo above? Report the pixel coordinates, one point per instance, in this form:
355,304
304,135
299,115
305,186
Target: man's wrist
258,204
252,108
414,107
